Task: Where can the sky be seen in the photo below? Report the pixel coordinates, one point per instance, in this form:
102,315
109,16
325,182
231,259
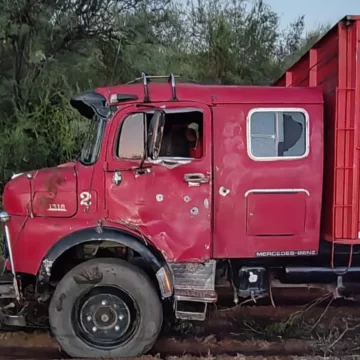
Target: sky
316,11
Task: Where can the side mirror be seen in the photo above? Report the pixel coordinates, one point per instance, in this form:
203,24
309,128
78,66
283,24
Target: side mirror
155,134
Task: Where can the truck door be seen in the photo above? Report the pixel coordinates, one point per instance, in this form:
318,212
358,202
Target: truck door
268,180
168,200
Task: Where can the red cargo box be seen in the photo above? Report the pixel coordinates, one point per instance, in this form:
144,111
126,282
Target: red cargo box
333,64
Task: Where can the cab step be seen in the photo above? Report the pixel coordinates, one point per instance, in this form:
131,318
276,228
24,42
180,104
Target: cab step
194,289
193,304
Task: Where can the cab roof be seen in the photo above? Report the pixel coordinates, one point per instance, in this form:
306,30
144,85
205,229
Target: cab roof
213,94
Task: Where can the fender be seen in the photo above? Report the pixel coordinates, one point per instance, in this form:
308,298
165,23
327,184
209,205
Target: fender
137,244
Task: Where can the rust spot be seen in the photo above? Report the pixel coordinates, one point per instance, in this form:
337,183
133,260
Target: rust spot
60,180
93,276
44,201
53,181
50,185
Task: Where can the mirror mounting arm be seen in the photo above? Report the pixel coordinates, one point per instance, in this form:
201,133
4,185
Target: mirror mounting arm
155,134
141,165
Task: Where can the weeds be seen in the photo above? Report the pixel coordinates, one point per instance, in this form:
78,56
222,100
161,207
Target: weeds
289,328
331,336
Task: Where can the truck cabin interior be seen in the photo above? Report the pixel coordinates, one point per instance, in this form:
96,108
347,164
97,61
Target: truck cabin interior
182,135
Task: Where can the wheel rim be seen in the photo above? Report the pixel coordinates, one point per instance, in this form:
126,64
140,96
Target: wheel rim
105,317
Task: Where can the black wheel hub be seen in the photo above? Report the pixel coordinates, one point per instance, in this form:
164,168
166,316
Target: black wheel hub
106,317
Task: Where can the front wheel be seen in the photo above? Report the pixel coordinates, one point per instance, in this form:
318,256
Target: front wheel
105,308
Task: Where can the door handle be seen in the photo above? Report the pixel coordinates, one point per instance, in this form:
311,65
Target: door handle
196,179
142,171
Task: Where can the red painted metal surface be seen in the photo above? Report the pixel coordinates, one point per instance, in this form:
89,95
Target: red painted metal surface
174,216
184,223
212,95
333,64
268,214
54,192
271,206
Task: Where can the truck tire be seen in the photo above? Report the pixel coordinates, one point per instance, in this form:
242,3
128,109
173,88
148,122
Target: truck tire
105,308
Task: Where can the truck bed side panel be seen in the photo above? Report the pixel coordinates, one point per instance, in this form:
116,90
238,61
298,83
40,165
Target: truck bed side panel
333,65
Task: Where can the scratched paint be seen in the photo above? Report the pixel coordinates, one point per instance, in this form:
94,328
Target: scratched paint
55,192
206,203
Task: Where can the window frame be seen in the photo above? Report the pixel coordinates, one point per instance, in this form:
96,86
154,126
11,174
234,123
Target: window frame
100,135
179,160
277,110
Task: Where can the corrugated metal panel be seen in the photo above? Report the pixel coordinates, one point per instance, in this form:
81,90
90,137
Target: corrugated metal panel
333,65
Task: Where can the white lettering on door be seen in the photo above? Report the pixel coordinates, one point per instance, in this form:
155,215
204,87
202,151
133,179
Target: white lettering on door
85,199
57,207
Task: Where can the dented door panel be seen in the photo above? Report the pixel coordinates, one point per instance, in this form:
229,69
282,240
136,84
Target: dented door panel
161,201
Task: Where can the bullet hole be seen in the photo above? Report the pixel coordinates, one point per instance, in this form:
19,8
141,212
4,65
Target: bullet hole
223,191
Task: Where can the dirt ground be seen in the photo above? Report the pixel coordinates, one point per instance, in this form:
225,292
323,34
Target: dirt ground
313,331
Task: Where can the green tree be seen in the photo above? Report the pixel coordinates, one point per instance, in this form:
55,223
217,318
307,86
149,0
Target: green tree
52,49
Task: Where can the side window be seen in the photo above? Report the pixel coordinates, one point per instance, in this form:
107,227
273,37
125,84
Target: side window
277,134
183,135
131,140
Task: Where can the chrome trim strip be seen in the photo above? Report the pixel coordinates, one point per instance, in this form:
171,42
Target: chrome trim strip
276,191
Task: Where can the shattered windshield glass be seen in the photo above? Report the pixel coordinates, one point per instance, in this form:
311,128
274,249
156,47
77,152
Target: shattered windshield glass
92,142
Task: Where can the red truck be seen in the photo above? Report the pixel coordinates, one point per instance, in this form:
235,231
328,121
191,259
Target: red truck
181,186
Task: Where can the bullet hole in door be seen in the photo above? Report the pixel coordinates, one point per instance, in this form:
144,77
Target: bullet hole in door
223,191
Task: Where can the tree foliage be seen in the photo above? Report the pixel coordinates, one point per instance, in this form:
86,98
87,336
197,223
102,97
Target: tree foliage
52,49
